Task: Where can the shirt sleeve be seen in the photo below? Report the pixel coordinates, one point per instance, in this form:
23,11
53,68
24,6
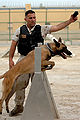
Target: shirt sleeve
15,37
45,29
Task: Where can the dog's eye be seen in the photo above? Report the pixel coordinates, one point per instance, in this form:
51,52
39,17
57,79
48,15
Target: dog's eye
65,47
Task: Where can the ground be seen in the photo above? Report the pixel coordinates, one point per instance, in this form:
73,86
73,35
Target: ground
64,81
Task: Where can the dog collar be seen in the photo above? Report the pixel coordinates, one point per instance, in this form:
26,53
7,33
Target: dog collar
51,51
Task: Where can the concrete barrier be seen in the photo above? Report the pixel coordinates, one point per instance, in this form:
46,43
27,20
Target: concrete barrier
40,104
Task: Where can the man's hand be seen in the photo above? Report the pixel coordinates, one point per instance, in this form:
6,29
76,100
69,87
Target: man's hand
75,14
74,17
11,53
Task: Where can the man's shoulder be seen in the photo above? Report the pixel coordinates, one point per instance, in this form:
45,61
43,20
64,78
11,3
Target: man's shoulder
46,26
23,26
18,29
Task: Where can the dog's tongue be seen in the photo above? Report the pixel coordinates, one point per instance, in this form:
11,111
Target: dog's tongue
63,55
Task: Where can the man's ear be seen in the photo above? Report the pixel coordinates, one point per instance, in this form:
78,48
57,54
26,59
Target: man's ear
56,43
60,40
25,19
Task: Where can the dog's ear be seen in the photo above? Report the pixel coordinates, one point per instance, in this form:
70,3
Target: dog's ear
56,43
60,40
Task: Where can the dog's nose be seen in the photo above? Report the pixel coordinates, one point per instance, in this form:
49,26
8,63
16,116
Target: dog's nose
70,53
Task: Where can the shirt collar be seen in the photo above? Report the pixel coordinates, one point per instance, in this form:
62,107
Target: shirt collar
30,31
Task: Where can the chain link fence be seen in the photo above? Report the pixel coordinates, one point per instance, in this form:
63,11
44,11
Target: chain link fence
12,18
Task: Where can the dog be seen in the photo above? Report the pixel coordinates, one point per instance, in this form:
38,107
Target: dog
26,65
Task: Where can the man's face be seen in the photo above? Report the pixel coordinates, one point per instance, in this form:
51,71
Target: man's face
31,20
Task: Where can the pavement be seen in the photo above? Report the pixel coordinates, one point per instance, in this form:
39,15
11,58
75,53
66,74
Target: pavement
64,80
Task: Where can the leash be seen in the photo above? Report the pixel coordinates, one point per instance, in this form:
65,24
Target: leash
51,51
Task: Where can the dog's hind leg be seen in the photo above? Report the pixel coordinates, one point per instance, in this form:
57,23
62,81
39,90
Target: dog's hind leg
1,101
8,98
1,106
10,95
4,94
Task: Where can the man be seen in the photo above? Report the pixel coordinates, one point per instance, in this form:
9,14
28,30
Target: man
27,38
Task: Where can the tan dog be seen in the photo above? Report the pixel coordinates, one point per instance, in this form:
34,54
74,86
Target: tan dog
26,65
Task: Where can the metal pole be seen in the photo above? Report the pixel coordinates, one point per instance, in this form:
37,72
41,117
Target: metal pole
9,26
68,35
46,17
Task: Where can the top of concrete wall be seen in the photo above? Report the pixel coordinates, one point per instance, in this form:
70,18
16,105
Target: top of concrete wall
41,8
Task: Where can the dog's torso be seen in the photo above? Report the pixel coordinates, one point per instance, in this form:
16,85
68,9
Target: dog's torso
26,65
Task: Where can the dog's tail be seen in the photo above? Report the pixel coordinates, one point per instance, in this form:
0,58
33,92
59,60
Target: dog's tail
1,76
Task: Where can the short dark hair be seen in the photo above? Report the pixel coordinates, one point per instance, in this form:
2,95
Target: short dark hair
29,11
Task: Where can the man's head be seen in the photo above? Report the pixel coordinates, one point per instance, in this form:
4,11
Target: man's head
30,18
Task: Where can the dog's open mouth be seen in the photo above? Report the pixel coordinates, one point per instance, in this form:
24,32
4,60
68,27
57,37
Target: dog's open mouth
63,55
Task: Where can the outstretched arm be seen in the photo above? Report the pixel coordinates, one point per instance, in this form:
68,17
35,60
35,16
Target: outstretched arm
63,24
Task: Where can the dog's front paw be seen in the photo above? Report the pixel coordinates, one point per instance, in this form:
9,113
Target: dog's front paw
49,67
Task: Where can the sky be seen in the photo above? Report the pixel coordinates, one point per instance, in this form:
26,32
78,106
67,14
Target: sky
36,3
